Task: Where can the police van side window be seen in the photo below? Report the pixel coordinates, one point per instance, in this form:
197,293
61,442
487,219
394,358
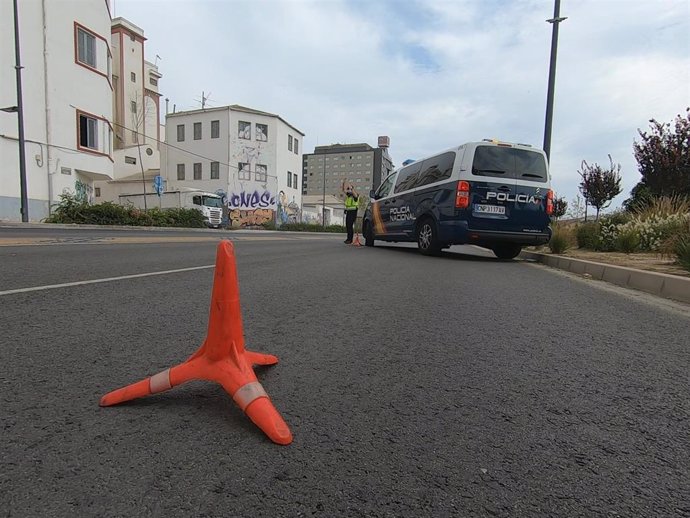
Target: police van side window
408,177
385,187
437,169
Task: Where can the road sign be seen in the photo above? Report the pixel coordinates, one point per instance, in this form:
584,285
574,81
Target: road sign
158,184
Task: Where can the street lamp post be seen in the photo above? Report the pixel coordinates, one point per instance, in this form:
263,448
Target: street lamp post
20,121
552,76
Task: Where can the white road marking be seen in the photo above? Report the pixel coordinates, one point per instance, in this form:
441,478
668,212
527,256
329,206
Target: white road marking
107,279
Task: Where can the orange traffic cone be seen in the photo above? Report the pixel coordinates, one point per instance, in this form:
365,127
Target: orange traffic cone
222,358
356,241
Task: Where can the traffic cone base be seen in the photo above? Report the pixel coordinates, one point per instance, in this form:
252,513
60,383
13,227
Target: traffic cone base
221,358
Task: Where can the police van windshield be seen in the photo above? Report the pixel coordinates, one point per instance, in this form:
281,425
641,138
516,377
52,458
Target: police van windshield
509,162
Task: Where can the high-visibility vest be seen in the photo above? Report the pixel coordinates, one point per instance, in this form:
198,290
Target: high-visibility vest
350,203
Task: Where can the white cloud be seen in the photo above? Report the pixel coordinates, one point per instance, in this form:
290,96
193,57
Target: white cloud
433,74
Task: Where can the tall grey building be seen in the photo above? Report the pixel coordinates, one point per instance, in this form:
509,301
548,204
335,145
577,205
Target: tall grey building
360,164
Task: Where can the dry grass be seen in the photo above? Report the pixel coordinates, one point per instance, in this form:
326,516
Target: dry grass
663,207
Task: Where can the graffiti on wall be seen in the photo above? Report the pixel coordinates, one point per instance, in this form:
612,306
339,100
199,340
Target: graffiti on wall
83,191
239,218
250,208
251,200
288,212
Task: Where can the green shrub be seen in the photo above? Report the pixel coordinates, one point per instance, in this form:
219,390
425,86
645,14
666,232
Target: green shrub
560,241
628,241
588,236
682,250
71,210
653,232
617,217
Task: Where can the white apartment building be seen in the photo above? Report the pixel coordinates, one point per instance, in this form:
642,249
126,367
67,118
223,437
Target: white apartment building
136,115
67,97
251,158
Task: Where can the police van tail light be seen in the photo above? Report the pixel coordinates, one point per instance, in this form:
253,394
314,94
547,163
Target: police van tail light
549,202
462,195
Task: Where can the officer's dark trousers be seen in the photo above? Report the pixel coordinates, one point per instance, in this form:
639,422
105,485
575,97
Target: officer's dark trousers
350,217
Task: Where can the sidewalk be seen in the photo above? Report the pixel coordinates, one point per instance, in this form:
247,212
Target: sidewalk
674,287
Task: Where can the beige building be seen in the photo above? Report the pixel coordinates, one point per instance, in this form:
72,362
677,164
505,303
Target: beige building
328,167
136,115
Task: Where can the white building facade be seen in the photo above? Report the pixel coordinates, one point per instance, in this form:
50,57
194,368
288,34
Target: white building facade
251,158
67,99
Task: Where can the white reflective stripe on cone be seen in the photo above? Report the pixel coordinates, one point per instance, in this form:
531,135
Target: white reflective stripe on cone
248,393
160,382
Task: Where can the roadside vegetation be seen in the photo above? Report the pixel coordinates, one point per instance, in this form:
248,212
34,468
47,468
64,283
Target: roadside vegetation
655,219
72,210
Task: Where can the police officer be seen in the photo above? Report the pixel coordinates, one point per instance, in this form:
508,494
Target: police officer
351,202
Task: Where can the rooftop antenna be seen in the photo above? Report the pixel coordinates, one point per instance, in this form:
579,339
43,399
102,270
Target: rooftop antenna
155,63
204,99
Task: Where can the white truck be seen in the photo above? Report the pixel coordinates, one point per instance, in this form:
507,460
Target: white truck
209,204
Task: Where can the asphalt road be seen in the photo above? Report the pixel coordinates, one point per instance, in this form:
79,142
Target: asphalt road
414,386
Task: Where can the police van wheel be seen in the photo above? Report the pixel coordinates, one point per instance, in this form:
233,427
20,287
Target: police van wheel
368,234
506,251
427,238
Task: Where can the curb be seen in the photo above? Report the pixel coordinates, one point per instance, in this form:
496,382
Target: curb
659,284
222,231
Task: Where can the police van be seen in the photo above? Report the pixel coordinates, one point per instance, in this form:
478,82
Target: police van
493,194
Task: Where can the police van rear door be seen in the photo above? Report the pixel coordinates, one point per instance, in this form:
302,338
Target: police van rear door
503,189
531,189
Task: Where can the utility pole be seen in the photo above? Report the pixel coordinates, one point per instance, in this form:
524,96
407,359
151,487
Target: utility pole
323,205
20,121
552,77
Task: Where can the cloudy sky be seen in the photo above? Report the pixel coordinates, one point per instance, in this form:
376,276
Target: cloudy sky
432,74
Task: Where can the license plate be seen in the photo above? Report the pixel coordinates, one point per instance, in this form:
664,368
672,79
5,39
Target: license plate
489,209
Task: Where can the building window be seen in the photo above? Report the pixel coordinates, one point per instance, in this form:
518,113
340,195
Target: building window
197,171
296,147
130,160
180,171
243,171
153,81
215,170
261,173
289,142
295,185
244,130
289,179
88,132
86,47
262,132
197,131
97,192
133,106
180,132
215,129
133,77
135,136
